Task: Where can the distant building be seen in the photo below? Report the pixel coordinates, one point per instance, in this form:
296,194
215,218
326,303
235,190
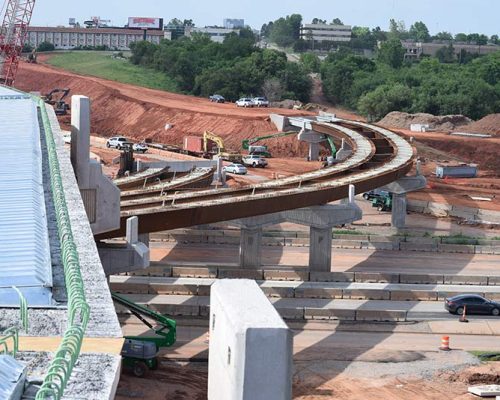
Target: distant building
415,50
216,34
69,38
232,23
326,33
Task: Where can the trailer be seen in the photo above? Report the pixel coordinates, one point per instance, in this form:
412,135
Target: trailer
456,171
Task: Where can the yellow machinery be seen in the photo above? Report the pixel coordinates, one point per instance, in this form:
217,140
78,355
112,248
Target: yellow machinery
220,150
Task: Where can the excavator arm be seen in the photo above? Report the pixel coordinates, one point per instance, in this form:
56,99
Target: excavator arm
214,138
248,142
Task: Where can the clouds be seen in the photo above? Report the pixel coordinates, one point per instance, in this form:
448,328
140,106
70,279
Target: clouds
443,15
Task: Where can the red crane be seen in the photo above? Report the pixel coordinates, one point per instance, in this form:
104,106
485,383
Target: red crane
13,35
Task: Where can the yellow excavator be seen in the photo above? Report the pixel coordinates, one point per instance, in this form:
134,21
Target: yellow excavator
219,150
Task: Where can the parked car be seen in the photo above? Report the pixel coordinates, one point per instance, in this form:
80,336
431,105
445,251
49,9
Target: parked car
217,98
118,142
372,194
140,147
245,102
254,161
260,102
237,169
473,303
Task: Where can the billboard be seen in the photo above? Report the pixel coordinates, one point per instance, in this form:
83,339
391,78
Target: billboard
145,23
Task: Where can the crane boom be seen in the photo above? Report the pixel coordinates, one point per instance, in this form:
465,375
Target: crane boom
13,35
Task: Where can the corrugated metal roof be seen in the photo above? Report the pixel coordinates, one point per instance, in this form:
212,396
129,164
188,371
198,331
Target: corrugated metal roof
12,377
24,242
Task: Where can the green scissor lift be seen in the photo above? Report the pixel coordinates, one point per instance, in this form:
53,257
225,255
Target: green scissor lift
140,352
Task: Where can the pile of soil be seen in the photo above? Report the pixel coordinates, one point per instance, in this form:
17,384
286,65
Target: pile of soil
489,125
140,113
286,104
446,123
484,379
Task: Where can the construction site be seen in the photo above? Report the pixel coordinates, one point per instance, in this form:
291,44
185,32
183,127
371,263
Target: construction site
163,246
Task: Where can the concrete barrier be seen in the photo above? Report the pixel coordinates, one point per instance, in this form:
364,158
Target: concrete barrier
291,313
280,275
130,287
385,315
186,272
332,276
465,280
421,279
374,277
366,294
277,291
380,246
346,244
494,280
405,246
173,289
318,293
256,274
329,314
413,295
456,248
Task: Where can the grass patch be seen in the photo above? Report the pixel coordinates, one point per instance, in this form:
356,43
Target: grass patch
486,355
349,232
102,65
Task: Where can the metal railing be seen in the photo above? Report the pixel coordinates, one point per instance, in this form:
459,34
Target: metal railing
61,367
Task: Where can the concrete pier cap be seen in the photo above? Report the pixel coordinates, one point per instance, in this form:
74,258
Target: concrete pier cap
251,348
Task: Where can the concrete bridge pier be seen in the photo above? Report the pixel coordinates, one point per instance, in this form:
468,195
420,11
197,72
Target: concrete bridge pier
399,189
320,219
314,139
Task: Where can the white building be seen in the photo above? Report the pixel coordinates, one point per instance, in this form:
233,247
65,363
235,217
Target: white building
326,33
233,23
69,38
216,34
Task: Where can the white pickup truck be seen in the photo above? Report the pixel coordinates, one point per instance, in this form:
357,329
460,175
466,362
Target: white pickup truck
254,161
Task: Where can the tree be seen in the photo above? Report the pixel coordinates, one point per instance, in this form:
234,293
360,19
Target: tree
419,32
443,36
397,30
27,48
310,62
494,39
392,53
45,46
273,89
317,21
286,31
337,21
387,98
446,54
461,37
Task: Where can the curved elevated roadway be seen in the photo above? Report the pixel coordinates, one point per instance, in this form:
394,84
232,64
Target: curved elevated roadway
379,157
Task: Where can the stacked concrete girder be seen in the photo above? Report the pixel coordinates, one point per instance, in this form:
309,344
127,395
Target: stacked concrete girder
320,219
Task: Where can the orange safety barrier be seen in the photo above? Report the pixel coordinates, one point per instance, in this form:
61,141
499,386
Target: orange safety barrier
445,343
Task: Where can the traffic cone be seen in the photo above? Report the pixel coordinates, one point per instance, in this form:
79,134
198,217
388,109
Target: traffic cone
445,343
463,317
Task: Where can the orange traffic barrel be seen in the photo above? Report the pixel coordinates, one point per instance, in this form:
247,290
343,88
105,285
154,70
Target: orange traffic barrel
445,343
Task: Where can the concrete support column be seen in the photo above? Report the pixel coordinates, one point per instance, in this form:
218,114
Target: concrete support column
144,238
399,210
80,139
313,151
320,249
250,247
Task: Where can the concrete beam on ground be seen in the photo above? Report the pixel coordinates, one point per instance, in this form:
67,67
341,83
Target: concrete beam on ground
251,348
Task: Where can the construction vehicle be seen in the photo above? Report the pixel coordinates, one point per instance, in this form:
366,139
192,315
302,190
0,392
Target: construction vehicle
140,353
60,106
219,149
248,144
382,201
13,33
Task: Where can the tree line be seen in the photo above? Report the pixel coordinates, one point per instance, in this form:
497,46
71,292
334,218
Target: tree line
376,87
233,69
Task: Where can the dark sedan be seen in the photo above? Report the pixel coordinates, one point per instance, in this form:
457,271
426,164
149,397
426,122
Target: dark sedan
217,98
473,303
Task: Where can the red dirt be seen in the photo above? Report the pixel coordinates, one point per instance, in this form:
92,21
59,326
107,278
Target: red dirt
489,125
141,113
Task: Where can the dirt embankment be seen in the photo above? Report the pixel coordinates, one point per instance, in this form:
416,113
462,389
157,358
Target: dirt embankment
141,113
445,123
489,125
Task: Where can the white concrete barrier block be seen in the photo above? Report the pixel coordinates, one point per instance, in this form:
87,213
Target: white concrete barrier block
485,390
250,352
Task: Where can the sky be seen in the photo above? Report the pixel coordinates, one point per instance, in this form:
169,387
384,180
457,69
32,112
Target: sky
468,16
